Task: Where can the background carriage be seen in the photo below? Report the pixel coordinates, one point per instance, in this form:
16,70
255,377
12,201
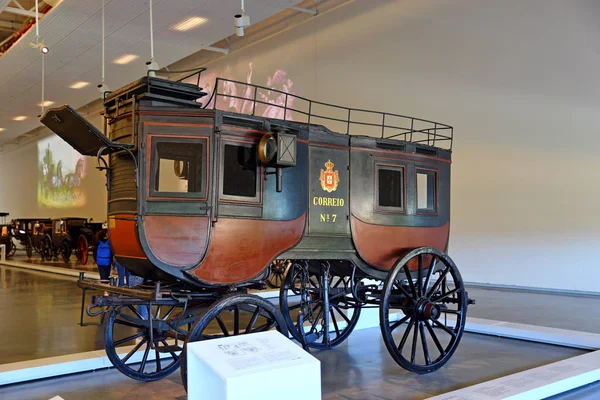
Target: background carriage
6,235
202,201
29,231
62,238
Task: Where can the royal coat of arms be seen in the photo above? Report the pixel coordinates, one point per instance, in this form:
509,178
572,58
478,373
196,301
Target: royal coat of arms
329,178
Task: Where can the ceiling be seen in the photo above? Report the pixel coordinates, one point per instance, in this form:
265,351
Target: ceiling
72,31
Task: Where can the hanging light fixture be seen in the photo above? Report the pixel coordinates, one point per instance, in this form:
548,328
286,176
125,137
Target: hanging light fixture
38,44
103,87
152,65
241,21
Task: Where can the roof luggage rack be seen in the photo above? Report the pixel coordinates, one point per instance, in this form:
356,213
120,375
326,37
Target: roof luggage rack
265,101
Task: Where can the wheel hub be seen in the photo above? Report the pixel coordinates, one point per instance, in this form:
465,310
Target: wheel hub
426,309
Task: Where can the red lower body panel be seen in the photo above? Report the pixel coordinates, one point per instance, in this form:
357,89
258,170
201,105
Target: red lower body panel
382,245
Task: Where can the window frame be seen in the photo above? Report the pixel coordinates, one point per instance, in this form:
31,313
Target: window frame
154,165
228,198
427,211
390,209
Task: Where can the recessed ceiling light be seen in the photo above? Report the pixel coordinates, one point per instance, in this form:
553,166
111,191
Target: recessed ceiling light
47,103
20,118
79,85
1,129
189,23
125,59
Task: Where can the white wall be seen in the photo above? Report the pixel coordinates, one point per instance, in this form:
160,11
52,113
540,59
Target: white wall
19,191
517,80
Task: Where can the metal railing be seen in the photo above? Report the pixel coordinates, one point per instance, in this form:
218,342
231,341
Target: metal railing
278,104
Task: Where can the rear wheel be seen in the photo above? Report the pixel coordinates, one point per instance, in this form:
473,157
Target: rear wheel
231,316
82,249
277,275
46,248
423,310
65,251
303,290
29,247
11,248
148,354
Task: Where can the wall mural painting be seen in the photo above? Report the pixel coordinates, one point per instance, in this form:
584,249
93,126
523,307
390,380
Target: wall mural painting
232,96
61,171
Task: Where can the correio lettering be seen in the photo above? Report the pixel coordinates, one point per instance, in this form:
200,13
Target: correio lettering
328,201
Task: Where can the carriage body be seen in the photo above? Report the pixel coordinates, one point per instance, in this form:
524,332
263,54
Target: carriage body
225,221
61,238
204,195
6,235
30,231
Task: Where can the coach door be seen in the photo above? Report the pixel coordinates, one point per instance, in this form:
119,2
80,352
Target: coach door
329,185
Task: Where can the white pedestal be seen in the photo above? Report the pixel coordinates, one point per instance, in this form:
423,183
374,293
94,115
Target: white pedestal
265,366
2,252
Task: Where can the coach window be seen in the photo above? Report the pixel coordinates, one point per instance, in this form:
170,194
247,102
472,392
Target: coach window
240,172
180,168
390,190
426,191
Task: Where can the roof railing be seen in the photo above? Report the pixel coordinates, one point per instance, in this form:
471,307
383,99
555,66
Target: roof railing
282,105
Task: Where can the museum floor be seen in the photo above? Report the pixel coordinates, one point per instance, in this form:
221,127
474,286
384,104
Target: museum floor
40,312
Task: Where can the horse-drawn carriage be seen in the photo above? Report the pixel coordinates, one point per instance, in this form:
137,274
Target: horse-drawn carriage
6,235
61,238
30,231
202,201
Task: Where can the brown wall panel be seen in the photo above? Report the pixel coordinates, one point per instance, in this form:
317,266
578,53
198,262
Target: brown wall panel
241,248
382,245
123,236
177,241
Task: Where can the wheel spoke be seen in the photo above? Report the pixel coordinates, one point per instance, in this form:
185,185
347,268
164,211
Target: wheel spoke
252,320
168,314
435,339
314,324
398,323
445,295
236,321
145,358
342,314
157,355
455,312
413,350
429,273
132,351
438,282
135,311
424,343
410,282
420,275
127,323
127,339
405,336
295,306
445,328
335,324
404,292
222,325
175,356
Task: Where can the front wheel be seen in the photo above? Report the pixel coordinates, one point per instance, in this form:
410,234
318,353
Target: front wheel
142,353
82,250
231,316
46,248
11,248
329,322
423,310
65,251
